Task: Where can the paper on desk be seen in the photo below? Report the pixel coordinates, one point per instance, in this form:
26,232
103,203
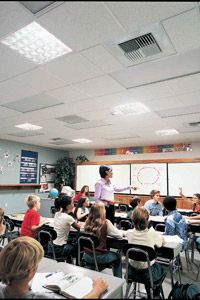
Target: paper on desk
172,238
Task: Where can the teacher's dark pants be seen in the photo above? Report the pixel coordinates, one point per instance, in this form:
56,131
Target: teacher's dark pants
110,213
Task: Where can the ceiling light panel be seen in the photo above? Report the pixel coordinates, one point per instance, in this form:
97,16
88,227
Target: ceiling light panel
135,108
165,132
82,141
28,126
26,133
36,43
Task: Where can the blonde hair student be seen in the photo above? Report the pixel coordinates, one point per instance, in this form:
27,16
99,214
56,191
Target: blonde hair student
2,226
19,261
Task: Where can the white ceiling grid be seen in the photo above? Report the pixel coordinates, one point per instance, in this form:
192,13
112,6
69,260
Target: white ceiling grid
90,80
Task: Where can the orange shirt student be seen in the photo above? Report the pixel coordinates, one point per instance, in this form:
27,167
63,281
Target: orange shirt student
32,220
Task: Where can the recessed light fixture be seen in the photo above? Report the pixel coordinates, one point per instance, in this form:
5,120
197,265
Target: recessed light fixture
28,126
135,108
167,132
82,141
36,43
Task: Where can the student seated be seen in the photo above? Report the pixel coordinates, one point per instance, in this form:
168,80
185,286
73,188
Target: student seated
62,224
67,191
142,235
136,201
98,225
81,210
195,199
175,223
153,206
32,221
82,194
19,261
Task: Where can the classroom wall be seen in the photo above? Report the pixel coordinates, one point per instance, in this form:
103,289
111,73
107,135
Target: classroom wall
13,201
166,155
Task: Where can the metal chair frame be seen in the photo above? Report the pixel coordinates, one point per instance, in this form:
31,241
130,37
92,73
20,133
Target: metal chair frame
143,253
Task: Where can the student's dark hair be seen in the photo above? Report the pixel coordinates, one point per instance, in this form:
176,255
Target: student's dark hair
65,201
83,190
140,218
103,170
79,204
134,202
197,195
169,203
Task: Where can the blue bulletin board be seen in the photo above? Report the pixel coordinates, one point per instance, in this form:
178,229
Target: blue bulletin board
28,166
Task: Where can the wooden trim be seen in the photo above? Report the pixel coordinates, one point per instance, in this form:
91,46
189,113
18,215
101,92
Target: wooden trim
19,186
141,161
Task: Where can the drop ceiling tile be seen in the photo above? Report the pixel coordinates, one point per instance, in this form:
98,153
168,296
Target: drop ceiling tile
135,15
86,24
184,30
32,103
99,86
40,80
151,91
102,58
89,124
67,94
7,113
72,68
13,63
168,67
185,84
14,90
13,16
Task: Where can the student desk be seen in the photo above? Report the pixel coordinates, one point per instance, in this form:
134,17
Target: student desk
115,285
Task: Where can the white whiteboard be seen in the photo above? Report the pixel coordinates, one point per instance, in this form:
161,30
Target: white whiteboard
185,175
89,175
148,177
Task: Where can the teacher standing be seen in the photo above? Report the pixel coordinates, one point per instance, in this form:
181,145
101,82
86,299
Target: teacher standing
104,191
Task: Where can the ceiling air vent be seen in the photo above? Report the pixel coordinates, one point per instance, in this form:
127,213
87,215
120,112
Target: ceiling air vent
193,124
147,44
140,47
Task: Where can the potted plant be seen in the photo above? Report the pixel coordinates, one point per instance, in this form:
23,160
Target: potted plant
64,172
81,158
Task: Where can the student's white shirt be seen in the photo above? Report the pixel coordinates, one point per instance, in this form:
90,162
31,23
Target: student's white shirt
62,225
113,231
148,237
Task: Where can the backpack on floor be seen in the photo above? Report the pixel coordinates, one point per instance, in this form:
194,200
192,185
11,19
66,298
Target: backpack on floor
184,291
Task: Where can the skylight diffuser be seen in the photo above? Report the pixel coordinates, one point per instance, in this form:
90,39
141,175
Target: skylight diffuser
135,108
28,126
36,43
165,132
83,141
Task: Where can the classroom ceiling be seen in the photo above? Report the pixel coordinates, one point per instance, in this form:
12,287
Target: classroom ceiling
72,97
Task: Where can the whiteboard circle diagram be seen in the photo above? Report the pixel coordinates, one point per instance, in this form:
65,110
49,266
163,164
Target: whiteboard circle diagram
148,175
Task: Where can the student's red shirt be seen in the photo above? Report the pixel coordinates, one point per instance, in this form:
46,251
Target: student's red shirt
31,218
197,207
77,197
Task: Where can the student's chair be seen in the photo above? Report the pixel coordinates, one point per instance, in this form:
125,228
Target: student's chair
123,207
144,254
86,245
46,240
10,226
125,225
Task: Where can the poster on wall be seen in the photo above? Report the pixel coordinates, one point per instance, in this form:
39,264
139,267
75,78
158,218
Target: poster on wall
47,177
28,166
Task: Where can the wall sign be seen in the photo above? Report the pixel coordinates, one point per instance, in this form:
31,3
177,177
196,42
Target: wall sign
28,166
47,177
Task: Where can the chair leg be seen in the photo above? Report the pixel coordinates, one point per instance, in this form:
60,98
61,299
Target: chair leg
128,286
198,273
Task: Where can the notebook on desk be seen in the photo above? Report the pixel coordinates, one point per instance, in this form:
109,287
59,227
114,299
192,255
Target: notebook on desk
71,286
